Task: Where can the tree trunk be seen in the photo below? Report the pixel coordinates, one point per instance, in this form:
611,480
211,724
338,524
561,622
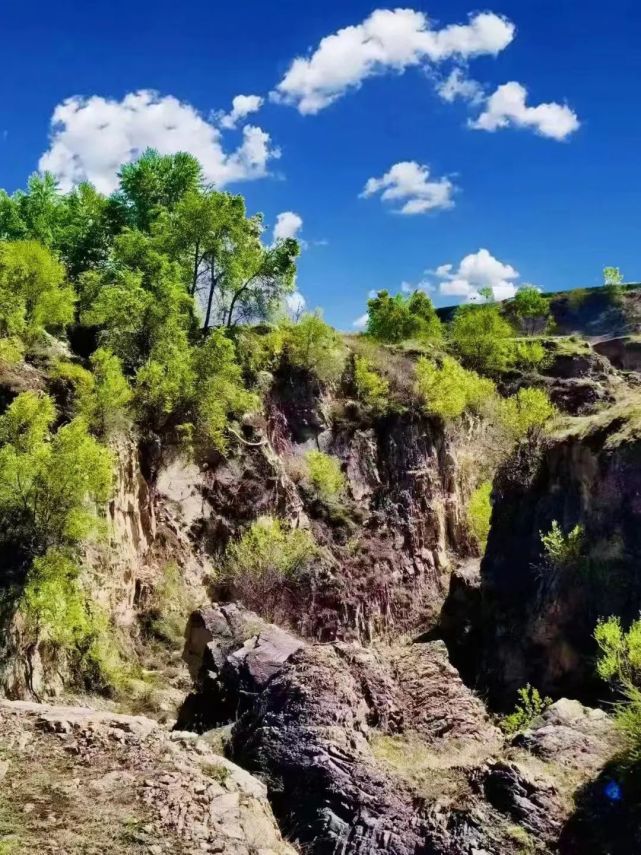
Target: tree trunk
194,280
210,298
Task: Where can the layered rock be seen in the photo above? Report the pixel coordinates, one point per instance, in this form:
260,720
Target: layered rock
538,616
382,749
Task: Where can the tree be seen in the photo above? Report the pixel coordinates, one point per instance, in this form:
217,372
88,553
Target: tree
613,283
314,346
448,389
481,337
531,309
34,294
153,182
49,482
397,318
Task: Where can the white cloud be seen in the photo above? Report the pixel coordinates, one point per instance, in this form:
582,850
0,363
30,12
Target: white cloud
477,270
288,224
506,106
92,137
388,40
458,85
241,107
423,285
409,182
361,323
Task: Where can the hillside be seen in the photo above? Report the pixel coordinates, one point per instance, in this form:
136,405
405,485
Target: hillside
269,588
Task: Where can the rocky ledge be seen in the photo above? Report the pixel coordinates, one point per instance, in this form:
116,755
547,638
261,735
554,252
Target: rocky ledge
74,774
384,749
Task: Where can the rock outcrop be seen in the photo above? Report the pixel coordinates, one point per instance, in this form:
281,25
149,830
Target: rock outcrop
539,616
78,780
383,749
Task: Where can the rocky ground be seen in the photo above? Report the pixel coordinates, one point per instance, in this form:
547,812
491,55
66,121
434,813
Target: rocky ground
77,781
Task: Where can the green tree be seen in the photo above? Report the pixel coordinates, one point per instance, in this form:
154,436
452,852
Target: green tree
619,663
325,476
531,309
50,482
529,410
314,346
482,337
395,319
34,295
153,182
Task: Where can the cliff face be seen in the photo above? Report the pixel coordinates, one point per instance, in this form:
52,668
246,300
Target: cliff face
538,615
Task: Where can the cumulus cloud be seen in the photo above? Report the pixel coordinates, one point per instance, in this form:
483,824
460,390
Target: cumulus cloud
476,271
361,322
458,85
241,107
92,137
288,225
507,107
409,183
389,40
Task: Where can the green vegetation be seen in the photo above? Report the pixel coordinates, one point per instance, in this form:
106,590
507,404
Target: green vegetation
398,318
479,512
613,283
372,389
531,309
481,337
325,477
269,548
312,345
529,355
620,664
529,706
562,550
447,389
527,411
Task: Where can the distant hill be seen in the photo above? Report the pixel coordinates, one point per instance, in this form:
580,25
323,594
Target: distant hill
588,311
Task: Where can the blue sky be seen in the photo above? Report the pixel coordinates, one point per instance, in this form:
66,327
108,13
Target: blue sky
552,196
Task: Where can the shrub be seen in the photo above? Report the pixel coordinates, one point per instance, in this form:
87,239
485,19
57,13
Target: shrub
529,410
325,476
479,512
529,706
269,548
447,389
372,389
620,664
59,611
481,337
49,482
170,606
314,346
562,550
529,355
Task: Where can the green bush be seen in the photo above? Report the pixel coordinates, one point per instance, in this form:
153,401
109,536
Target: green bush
269,547
529,410
562,550
529,706
314,346
447,389
34,295
372,389
620,664
479,512
325,476
59,612
50,482
531,309
482,338
399,318
529,355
